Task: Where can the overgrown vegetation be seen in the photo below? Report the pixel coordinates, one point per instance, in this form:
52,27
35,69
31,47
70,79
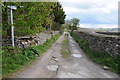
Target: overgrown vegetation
13,58
65,47
102,58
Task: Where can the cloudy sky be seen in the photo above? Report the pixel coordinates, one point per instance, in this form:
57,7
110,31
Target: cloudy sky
92,13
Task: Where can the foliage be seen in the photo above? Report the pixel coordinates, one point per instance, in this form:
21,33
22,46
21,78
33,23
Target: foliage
13,58
75,23
32,17
59,14
72,24
59,17
102,58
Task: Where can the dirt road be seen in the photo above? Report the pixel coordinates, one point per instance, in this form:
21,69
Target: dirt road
52,65
80,66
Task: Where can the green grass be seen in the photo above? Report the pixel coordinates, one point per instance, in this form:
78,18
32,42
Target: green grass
102,58
0,65
65,47
14,58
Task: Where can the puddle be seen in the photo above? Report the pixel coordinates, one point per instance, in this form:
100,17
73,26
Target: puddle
52,67
72,45
76,51
65,67
76,55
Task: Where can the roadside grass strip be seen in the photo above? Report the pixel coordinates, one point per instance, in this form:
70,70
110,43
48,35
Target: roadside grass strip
65,47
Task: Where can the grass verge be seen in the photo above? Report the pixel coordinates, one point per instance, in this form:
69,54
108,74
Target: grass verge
14,58
101,58
65,47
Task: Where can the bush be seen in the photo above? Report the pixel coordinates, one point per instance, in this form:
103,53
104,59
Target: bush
100,57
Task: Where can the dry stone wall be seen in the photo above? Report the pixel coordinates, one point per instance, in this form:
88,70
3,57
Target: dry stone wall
26,41
101,42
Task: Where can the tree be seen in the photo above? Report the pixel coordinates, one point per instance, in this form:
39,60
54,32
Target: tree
32,17
67,24
75,23
59,16
72,24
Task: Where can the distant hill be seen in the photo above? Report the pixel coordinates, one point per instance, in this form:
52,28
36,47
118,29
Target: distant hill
114,30
93,29
100,29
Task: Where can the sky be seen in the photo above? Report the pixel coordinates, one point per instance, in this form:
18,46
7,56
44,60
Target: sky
92,13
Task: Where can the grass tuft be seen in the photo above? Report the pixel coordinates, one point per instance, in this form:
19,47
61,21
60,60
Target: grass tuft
65,47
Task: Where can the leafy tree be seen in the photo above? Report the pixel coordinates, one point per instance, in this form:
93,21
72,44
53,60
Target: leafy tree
75,23
59,16
72,24
32,17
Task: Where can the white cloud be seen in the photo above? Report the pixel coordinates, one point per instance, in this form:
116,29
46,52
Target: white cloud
98,26
69,17
106,8
71,10
103,11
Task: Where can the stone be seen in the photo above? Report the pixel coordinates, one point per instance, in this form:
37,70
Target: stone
117,45
76,55
52,67
105,68
23,43
54,58
36,55
29,41
24,37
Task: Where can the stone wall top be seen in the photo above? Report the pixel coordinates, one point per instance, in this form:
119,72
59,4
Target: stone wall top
101,42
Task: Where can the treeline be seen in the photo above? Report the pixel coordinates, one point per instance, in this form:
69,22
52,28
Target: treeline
32,17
